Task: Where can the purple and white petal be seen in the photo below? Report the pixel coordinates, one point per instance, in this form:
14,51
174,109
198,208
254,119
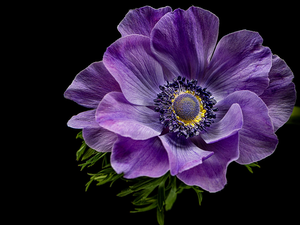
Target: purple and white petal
83,120
94,136
116,114
230,124
182,153
99,138
280,96
141,20
137,158
239,62
211,174
133,65
90,85
184,41
257,137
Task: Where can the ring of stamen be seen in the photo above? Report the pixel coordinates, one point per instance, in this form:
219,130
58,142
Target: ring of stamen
184,107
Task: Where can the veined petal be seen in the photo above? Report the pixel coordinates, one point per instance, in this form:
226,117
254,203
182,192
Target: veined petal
211,174
257,137
90,85
99,138
230,124
184,41
83,120
141,20
133,65
95,137
137,158
182,153
280,96
239,62
116,114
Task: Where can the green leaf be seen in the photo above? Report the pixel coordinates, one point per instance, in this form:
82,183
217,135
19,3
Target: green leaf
146,183
181,187
199,193
149,193
125,192
104,176
81,150
88,154
249,166
161,195
142,196
147,208
79,135
171,199
105,161
93,160
172,196
295,117
160,216
107,174
115,178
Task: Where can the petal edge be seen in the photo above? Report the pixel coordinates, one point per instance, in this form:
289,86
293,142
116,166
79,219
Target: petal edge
117,115
182,153
239,56
141,20
280,96
230,124
90,85
211,174
133,65
139,158
257,137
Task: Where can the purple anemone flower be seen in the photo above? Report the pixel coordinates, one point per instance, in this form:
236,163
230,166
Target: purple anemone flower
168,97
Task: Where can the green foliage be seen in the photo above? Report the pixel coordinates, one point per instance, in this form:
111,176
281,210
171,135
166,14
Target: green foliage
172,196
146,198
85,153
149,193
249,166
199,193
106,175
295,117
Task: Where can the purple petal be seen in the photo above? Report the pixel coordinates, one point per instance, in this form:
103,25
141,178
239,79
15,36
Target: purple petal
211,174
230,124
257,137
118,115
141,20
99,138
94,136
84,119
184,40
239,62
90,85
280,96
182,153
139,158
132,64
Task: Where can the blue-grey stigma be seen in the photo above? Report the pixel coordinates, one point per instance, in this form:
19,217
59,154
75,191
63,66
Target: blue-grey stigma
185,108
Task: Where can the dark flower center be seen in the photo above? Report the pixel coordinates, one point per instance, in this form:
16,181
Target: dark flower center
184,107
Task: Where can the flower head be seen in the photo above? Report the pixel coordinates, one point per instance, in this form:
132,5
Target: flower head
168,97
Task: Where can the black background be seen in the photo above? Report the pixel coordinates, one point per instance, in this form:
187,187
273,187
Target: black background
69,37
